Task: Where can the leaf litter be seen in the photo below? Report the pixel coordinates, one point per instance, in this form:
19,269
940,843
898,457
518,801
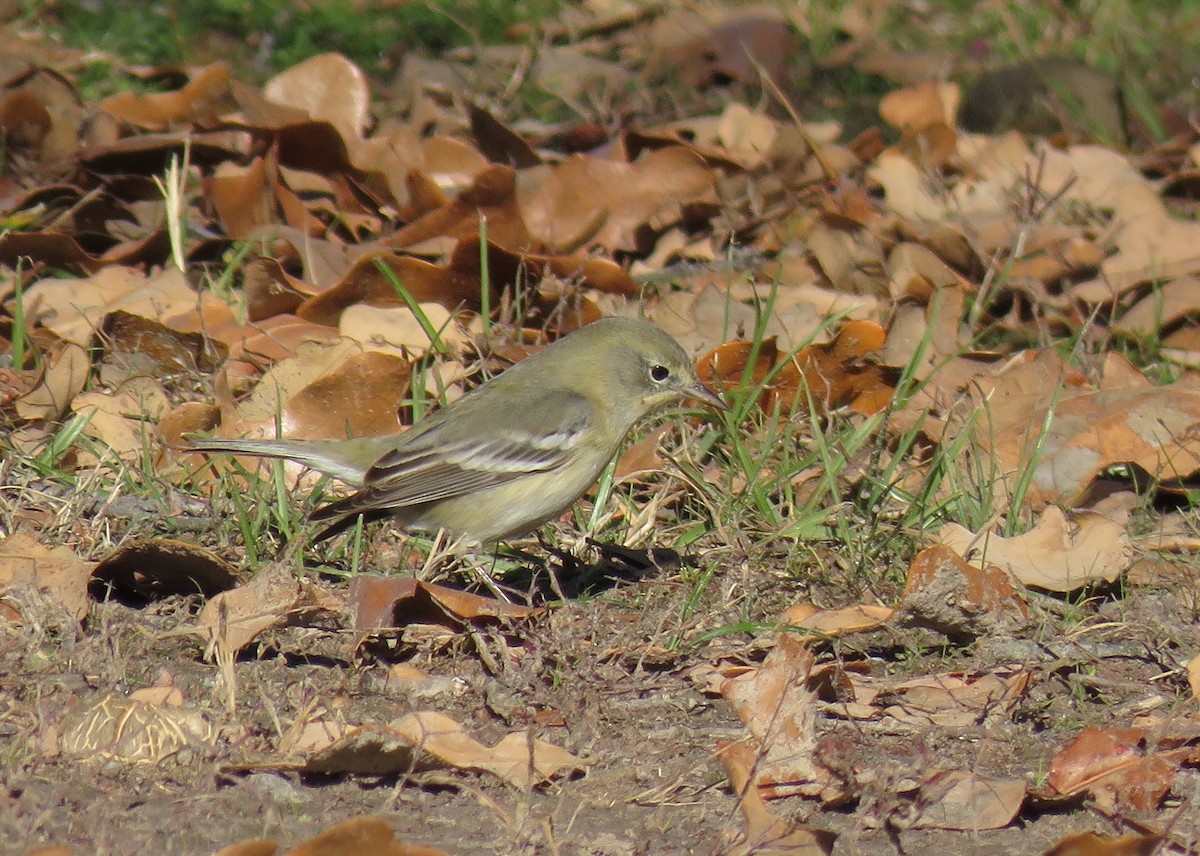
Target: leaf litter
974,293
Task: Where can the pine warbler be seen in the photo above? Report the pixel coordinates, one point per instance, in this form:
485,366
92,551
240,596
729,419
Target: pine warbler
513,453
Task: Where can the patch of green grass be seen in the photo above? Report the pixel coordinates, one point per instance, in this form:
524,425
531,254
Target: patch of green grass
277,34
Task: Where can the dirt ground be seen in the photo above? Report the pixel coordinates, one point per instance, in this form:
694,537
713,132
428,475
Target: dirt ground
597,677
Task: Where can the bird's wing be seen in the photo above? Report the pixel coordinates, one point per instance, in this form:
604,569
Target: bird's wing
442,463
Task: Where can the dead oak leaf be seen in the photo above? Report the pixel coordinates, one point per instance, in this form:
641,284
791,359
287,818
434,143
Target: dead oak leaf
274,598
1041,413
75,309
54,573
780,712
326,87
590,201
826,623
1091,844
1151,243
1057,554
64,373
953,699
490,199
353,837
119,420
382,602
1116,767
765,833
202,98
925,116
430,740
964,800
1161,308
831,375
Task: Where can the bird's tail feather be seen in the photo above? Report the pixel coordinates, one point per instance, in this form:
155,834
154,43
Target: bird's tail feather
345,460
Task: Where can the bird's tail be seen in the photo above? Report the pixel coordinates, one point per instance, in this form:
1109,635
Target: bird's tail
346,460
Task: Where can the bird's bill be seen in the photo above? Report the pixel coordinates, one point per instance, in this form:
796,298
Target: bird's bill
702,394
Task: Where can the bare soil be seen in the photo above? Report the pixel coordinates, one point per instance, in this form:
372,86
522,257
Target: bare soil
597,677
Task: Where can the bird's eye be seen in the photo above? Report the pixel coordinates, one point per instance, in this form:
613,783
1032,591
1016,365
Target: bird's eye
659,373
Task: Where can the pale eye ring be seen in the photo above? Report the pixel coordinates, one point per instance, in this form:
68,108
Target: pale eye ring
658,374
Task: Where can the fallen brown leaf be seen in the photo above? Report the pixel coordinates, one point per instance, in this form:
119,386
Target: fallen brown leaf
1116,767
1091,844
431,740
780,713
1057,554
963,601
960,799
30,571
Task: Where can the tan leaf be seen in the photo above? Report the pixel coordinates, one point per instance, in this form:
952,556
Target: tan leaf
1091,844
396,330
287,378
55,573
962,800
354,837
491,199
242,197
64,373
746,135
780,712
326,86
831,376
1115,767
202,98
1043,414
835,622
121,420
394,601
1193,674
1057,554
1151,242
561,211
359,397
915,271
274,598
925,116
907,190
430,740
1161,308
75,308
642,456
766,834
510,760
954,699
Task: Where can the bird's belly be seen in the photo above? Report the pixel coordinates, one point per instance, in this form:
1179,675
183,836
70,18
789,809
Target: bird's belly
507,510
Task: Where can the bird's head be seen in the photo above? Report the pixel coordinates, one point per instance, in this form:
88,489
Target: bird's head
644,364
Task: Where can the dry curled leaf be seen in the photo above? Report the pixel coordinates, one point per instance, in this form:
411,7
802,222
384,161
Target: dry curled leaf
430,740
1058,554
64,374
31,570
830,376
1117,767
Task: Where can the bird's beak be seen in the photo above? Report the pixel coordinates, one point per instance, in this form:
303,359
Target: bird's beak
701,393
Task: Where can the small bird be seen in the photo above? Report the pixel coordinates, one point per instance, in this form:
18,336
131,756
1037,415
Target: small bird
513,453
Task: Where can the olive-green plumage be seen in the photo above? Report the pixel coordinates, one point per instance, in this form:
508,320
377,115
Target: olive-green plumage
516,451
